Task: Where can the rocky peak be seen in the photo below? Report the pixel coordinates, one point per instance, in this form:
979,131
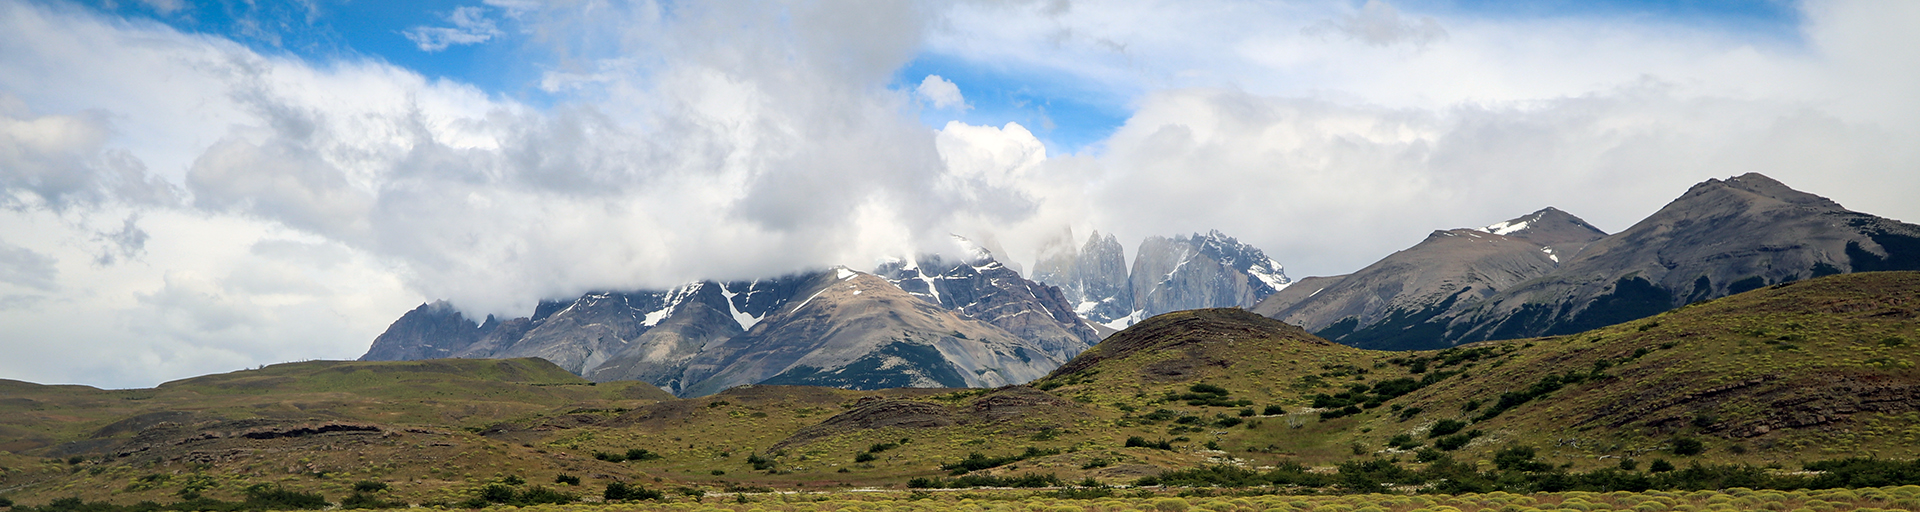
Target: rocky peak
1752,186
430,331
1548,226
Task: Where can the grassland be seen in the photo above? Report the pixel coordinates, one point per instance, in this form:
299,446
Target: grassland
1772,379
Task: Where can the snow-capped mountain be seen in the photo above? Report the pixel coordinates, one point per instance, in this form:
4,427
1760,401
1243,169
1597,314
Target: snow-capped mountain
1168,274
928,322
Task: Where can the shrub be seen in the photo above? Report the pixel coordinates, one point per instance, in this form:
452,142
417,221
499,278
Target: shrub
1273,410
1402,441
1141,442
1444,427
1519,458
1022,481
265,497
361,500
1208,389
1660,466
864,457
620,491
641,454
976,461
369,486
1687,446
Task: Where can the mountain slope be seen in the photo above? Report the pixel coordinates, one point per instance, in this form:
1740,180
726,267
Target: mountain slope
1450,268
1719,238
859,331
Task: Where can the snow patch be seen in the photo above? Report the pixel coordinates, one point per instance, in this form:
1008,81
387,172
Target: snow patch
1506,228
1126,321
672,301
1550,254
746,321
809,299
1271,273
845,273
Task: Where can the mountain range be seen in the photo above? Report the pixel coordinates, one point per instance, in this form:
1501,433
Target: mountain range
972,321
926,321
1550,273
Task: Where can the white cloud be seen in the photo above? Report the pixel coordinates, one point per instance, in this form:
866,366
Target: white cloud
164,7
941,93
470,26
24,267
220,208
1379,24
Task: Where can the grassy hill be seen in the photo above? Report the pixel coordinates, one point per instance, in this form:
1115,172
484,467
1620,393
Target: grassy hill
1776,377
1795,372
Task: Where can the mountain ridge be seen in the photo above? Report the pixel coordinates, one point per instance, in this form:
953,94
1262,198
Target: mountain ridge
1718,238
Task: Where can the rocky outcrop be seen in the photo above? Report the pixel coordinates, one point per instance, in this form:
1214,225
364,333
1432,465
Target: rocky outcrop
430,331
1201,271
1093,278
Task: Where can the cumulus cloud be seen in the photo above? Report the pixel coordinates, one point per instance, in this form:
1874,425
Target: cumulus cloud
62,160
470,26
940,93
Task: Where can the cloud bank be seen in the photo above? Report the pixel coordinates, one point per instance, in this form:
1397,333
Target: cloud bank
177,204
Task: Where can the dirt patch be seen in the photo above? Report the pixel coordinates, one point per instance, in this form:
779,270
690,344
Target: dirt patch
1015,402
142,422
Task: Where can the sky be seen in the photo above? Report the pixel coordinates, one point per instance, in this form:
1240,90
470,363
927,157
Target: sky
199,187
